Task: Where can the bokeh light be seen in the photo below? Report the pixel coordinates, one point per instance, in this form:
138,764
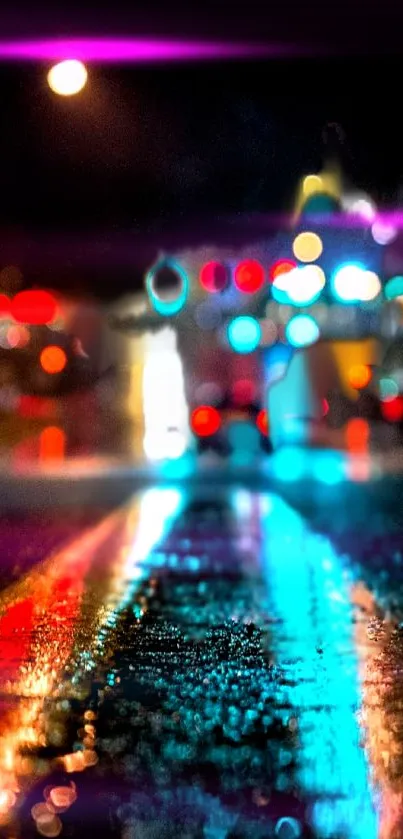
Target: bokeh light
209,393
319,204
288,828
281,266
5,326
329,467
243,392
357,435
68,77
269,332
370,287
53,359
392,409
205,421
383,233
167,285
214,277
262,422
347,282
34,307
312,184
302,331
244,334
388,389
52,443
4,305
305,284
18,336
352,284
290,464
394,288
359,376
249,276
279,273
307,247
359,205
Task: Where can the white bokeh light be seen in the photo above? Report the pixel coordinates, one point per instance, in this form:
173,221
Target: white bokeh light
382,233
68,77
352,283
305,283
359,204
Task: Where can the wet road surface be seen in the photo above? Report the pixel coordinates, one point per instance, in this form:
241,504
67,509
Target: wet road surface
216,667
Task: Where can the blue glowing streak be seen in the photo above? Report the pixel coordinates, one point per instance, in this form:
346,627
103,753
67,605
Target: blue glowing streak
302,331
244,334
171,307
313,638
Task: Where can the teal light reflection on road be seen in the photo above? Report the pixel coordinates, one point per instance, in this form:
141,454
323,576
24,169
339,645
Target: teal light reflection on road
312,638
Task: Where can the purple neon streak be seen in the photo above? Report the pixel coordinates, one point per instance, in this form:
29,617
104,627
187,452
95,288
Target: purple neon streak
133,50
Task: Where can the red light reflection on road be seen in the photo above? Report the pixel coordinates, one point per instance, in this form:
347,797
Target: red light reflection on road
37,632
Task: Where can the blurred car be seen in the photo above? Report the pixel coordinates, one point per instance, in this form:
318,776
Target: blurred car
230,427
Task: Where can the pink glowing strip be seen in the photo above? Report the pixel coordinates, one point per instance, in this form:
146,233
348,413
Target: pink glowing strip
132,50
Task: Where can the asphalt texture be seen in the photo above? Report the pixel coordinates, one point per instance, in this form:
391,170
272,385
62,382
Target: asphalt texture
223,666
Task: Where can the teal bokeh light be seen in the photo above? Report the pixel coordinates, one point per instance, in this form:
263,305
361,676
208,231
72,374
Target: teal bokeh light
244,334
168,308
394,288
302,331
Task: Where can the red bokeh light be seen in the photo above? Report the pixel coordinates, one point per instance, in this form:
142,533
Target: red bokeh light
33,307
281,266
205,421
249,276
357,435
214,277
243,392
325,407
262,422
4,304
392,409
36,406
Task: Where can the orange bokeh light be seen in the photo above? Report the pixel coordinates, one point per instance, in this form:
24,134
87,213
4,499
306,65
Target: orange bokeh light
52,443
359,376
53,359
282,266
357,435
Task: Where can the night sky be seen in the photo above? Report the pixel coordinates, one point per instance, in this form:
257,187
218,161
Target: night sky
146,149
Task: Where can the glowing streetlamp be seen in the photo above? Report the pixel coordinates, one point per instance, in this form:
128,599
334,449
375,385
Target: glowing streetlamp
68,77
